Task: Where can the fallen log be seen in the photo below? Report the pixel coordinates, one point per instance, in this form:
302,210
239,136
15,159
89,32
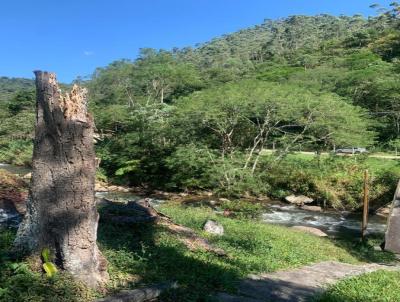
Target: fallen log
140,294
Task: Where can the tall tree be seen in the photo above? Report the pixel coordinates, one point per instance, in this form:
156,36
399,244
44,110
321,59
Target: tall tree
62,213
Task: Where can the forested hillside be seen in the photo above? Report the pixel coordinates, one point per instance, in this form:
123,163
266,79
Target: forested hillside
201,118
9,86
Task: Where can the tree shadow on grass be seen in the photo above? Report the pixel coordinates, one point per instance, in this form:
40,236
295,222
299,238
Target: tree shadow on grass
363,250
148,253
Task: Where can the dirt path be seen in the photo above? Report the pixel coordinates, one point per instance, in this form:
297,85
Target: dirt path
296,285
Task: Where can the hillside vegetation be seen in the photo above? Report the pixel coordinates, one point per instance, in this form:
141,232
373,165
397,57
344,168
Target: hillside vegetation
9,86
198,118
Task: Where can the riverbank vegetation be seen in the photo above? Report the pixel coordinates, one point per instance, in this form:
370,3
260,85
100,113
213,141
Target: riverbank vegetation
200,118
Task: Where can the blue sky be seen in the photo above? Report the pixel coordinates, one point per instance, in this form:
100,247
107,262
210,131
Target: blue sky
74,37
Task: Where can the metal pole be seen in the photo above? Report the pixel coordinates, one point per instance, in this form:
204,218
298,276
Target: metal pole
366,206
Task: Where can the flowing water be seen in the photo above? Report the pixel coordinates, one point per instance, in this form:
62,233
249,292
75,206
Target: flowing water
19,170
333,223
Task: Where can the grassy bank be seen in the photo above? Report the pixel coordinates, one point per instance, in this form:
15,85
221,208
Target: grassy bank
379,286
149,253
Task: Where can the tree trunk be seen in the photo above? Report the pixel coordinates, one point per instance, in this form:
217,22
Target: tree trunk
61,211
392,238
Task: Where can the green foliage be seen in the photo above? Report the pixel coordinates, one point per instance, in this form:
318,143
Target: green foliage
22,100
277,73
46,255
191,166
101,175
48,266
334,181
17,152
9,86
50,269
243,209
16,129
379,286
129,166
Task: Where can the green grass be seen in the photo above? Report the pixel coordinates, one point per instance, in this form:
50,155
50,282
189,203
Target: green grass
19,283
379,286
148,253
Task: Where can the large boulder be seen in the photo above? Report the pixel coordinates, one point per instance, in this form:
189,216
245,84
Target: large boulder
299,199
310,230
213,227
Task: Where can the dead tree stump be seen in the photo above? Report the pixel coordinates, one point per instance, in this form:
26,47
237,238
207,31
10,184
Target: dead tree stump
61,211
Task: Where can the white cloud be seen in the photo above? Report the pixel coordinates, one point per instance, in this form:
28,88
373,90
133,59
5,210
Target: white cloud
88,53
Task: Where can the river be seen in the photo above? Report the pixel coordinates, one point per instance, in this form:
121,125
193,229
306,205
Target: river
332,222
19,170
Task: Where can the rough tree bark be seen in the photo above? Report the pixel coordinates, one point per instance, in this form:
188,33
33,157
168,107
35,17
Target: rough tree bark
392,238
61,210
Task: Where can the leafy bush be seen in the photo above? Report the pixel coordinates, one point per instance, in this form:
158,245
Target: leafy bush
16,152
243,209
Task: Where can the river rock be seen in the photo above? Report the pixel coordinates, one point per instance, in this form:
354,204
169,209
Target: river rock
27,176
113,188
384,211
212,202
311,230
299,199
100,188
312,208
213,227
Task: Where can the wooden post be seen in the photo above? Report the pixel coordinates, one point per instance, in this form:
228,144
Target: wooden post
365,206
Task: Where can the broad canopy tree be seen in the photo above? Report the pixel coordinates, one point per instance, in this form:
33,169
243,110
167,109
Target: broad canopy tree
254,114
